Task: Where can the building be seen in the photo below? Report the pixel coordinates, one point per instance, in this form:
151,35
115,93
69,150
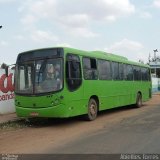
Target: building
155,72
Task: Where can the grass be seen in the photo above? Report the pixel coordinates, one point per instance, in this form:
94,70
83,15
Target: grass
24,123
18,124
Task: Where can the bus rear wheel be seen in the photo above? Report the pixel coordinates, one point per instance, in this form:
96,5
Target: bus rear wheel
92,110
139,100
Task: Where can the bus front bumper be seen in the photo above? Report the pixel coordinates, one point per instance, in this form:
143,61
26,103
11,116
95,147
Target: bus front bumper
59,111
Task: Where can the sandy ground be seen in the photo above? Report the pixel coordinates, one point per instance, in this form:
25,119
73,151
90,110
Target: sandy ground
41,138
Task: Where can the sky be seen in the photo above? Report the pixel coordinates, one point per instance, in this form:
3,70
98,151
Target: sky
130,28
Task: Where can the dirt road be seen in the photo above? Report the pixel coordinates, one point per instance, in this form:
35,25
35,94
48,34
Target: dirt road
72,135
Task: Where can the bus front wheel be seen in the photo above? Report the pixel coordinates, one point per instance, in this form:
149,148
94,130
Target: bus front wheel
92,110
139,100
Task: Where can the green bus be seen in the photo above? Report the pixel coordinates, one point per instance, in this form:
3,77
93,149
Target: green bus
64,82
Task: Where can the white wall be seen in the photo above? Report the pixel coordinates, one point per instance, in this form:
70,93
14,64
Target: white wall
155,84
6,92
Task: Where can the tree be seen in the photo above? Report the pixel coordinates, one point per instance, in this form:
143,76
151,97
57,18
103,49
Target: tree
141,61
4,65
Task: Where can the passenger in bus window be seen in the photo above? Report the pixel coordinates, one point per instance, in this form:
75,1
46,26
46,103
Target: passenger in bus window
50,83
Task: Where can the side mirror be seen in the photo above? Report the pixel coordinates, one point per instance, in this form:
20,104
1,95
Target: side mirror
6,71
7,67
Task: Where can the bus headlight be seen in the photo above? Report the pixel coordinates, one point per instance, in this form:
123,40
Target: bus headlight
56,102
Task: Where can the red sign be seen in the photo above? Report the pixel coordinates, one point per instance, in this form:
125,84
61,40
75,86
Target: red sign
9,87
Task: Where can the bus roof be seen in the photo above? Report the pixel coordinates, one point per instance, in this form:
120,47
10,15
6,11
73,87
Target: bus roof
96,54
103,55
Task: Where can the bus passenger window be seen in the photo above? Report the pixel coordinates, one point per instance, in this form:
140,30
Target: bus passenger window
129,73
104,70
90,69
145,74
115,71
137,73
121,71
73,72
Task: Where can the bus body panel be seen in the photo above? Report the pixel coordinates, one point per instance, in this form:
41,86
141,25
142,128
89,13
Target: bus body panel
115,94
69,104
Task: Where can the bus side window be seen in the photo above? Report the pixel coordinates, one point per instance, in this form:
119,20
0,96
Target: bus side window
90,69
73,72
129,73
115,71
137,73
121,71
104,70
145,74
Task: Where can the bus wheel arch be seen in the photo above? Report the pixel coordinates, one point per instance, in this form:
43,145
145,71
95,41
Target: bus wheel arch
93,107
139,99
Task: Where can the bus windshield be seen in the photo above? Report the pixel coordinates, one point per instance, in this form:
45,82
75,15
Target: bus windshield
39,76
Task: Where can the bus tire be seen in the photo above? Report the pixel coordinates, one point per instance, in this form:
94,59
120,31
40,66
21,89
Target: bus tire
92,110
139,100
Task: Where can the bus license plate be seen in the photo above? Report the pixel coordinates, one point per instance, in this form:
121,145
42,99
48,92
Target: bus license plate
34,114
